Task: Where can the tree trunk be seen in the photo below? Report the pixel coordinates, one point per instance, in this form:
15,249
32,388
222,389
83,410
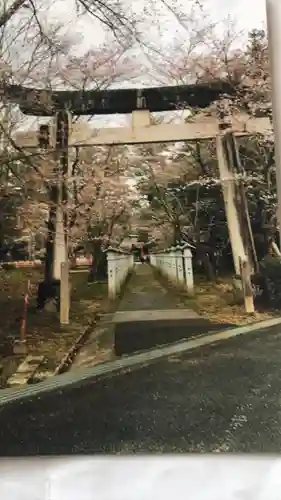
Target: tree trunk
98,271
203,255
10,12
177,234
49,258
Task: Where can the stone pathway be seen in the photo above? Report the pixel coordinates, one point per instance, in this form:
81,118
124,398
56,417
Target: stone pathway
99,346
144,292
150,315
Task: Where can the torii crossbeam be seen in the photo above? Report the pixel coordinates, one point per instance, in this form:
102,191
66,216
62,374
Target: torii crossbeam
38,102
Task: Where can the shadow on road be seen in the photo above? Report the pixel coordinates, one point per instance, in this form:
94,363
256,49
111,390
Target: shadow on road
137,336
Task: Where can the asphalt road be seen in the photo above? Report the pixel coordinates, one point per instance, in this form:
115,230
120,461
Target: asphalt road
220,398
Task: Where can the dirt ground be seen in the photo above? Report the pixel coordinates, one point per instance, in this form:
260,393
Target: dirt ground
43,332
216,302
213,301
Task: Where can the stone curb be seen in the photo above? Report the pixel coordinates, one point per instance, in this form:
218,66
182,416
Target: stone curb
71,353
107,326
25,371
76,377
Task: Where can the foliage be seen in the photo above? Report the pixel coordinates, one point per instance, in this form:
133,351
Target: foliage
182,186
179,191
271,280
38,51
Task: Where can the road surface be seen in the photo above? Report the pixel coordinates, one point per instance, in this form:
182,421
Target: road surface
219,398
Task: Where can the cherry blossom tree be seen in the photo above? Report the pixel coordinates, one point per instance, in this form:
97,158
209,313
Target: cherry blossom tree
103,203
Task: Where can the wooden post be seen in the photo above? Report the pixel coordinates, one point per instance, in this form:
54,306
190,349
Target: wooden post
240,200
247,286
273,15
25,307
64,294
62,172
20,346
236,231
60,252
228,190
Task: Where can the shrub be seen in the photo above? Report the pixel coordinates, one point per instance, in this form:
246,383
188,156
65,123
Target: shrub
270,281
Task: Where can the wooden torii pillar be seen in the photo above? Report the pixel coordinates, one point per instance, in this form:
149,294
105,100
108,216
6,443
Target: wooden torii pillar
56,140
239,229
273,15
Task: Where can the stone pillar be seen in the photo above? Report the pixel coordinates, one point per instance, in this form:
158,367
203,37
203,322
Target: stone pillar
160,262
111,273
173,259
118,271
153,259
119,264
187,255
180,266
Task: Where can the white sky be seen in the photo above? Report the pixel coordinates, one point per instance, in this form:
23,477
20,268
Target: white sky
246,14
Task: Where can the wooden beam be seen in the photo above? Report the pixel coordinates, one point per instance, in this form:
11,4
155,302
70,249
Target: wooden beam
40,102
192,131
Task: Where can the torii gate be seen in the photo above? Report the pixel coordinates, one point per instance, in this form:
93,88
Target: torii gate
140,103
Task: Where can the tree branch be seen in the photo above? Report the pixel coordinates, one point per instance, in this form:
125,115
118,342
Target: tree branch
11,11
